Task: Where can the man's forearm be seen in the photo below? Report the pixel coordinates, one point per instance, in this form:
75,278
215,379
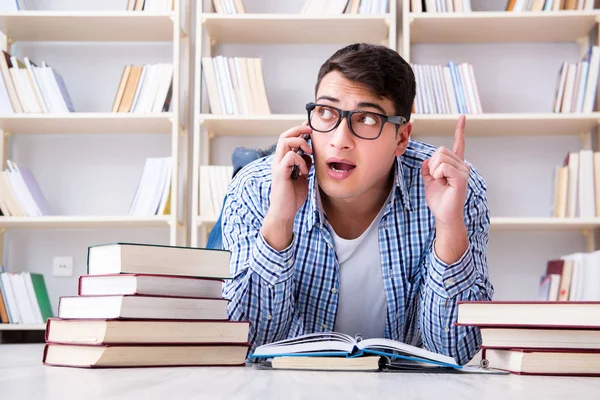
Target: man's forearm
277,233
451,242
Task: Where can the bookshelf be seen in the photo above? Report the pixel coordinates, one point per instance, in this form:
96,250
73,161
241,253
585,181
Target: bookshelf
214,29
164,28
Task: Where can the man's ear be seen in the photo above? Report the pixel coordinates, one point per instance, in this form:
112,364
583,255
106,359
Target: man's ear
402,137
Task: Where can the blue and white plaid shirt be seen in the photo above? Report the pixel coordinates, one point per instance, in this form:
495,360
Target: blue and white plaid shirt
295,291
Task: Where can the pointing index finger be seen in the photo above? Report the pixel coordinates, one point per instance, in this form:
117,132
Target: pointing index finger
459,138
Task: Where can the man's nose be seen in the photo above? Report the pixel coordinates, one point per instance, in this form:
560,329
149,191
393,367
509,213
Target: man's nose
342,138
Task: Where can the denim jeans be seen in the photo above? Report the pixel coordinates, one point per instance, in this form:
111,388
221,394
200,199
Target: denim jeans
240,158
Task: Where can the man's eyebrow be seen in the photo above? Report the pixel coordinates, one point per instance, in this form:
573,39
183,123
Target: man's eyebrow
333,99
364,104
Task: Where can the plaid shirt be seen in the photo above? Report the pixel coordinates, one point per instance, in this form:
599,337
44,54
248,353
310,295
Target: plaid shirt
295,291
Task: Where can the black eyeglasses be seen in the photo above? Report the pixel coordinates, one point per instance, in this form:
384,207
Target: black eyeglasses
364,124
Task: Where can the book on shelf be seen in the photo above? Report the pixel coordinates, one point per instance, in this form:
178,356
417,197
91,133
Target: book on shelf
151,5
333,7
213,183
576,186
537,337
549,5
446,89
229,6
153,192
27,87
24,298
440,6
235,85
572,277
577,83
169,312
144,89
20,194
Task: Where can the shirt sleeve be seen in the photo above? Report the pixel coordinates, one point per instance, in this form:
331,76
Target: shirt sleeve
261,287
465,280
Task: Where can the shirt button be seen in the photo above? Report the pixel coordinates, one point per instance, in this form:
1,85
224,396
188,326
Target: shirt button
450,280
276,268
324,326
446,329
334,290
269,317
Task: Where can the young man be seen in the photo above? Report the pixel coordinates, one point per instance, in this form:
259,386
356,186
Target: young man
379,235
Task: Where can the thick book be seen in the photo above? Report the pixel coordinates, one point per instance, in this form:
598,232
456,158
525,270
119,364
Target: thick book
141,307
543,361
567,314
540,338
105,331
138,258
120,356
153,285
334,344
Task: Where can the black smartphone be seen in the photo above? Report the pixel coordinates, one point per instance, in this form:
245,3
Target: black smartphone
300,152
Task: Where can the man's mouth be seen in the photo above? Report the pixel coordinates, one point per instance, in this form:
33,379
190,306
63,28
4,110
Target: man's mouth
341,166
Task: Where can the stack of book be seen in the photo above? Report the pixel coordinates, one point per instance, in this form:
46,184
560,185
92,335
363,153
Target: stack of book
213,183
572,277
235,85
150,5
153,192
320,7
549,5
446,89
26,87
20,194
537,338
24,298
440,6
144,89
229,6
576,84
577,186
142,305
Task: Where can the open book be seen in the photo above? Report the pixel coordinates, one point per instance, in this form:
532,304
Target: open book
326,351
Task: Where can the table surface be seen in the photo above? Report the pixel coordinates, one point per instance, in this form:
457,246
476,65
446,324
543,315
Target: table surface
22,376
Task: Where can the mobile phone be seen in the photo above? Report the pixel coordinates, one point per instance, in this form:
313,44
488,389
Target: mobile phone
300,152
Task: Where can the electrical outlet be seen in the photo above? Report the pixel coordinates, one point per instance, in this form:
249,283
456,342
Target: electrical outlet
62,266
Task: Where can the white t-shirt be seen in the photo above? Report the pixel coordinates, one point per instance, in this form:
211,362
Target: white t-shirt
362,303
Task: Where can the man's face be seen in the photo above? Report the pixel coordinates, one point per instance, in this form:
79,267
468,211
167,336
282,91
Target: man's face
348,167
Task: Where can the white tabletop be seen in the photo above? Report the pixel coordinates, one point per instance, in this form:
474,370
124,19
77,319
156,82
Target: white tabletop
22,376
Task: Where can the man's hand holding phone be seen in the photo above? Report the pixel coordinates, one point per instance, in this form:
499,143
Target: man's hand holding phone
287,194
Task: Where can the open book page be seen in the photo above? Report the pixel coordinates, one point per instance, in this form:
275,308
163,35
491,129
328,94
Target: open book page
310,343
386,346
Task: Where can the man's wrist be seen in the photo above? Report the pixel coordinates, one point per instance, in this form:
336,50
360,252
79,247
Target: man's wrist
451,242
277,232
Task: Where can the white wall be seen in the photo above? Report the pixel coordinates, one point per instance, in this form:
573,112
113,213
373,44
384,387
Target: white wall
97,174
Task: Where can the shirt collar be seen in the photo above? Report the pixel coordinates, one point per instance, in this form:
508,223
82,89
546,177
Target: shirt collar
315,210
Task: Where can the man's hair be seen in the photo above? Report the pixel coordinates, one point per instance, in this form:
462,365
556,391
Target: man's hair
377,67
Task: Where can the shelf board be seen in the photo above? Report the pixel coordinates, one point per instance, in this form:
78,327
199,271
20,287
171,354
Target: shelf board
86,123
295,28
84,222
543,224
253,125
121,26
505,124
204,220
22,327
501,26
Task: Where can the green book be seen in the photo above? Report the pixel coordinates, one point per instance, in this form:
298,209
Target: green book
41,294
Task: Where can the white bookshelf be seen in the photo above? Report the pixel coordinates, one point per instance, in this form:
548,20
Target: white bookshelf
296,28
123,26
500,26
87,123
106,26
213,29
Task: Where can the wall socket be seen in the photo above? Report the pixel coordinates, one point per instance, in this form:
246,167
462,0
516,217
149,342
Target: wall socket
62,266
